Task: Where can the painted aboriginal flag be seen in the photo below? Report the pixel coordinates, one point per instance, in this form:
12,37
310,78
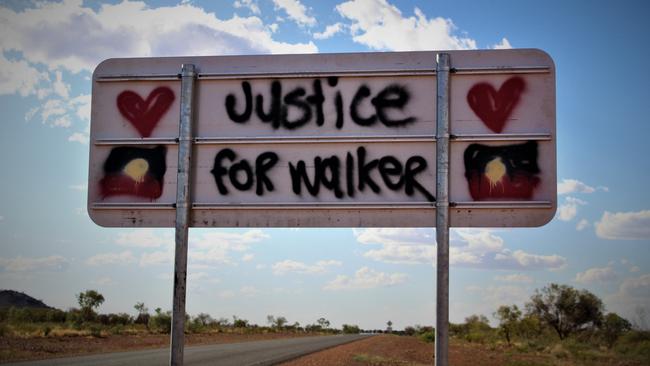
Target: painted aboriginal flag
502,172
134,171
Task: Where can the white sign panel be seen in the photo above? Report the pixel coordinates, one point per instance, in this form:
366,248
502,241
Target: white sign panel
325,140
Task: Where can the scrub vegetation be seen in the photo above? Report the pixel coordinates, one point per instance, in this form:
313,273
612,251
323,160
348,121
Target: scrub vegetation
559,325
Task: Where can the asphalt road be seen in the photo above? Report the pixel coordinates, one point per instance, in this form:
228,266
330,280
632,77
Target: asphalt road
234,354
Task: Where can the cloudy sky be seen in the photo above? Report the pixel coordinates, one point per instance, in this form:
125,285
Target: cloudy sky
599,239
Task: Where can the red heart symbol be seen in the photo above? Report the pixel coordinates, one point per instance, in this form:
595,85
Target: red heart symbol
492,107
145,114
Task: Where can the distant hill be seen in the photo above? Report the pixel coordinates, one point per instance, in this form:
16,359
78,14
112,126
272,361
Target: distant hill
9,298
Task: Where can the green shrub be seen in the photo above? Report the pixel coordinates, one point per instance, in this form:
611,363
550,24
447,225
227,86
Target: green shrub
75,317
95,331
635,344
195,326
161,322
117,330
429,337
582,350
115,319
351,329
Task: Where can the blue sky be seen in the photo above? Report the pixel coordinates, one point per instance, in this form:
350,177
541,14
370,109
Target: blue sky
599,239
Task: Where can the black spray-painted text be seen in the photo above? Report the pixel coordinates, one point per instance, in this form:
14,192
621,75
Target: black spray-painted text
340,176
275,107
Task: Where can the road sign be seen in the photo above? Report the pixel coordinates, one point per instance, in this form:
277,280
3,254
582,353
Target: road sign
325,140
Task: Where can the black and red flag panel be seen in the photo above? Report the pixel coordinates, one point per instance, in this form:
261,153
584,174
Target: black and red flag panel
134,171
502,172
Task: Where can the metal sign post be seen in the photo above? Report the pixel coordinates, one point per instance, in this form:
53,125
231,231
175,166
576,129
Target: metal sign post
182,214
442,210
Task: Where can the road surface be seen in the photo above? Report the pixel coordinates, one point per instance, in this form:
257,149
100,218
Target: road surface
257,353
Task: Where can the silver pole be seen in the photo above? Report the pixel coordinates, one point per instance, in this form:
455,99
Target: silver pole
442,210
182,213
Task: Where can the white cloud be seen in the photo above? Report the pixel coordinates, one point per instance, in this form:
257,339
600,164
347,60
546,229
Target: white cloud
366,278
631,299
143,238
402,254
329,31
248,4
582,224
296,11
103,281
227,294
156,258
201,276
79,187
60,87
381,25
521,259
2,218
247,257
636,287
472,248
128,29
503,45
249,291
206,249
59,113
290,266
79,137
635,269
569,209
597,275
81,106
216,247
52,108
624,225
515,277
228,240
567,186
405,246
491,297
125,257
34,264
19,77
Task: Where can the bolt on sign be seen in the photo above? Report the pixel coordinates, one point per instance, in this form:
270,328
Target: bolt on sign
325,140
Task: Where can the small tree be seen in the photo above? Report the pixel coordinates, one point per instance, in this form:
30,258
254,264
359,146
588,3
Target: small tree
530,326
508,317
280,322
88,302
614,326
143,314
566,309
476,328
239,323
203,319
324,323
222,323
